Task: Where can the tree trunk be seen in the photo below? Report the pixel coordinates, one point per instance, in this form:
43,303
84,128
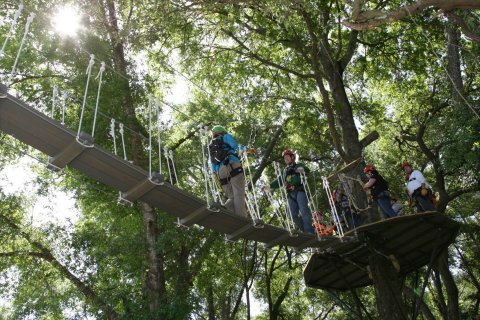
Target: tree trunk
423,307
453,65
388,288
210,304
453,308
155,279
155,282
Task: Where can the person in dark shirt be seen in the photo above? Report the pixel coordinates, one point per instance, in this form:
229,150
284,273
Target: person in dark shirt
297,197
378,188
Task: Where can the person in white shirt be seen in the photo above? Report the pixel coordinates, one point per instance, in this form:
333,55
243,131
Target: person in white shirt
418,188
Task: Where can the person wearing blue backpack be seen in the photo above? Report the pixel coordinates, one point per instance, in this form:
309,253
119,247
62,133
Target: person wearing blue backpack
226,164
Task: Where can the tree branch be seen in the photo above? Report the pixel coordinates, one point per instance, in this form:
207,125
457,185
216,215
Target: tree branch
264,162
266,61
373,18
457,20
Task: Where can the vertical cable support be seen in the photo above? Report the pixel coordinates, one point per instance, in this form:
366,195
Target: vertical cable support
88,72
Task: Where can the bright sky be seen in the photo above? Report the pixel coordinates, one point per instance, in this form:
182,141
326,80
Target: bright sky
56,206
66,20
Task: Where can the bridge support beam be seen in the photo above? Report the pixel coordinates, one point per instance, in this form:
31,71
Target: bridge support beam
278,240
73,150
196,216
245,230
143,187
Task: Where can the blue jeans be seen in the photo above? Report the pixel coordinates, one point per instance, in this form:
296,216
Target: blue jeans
383,201
353,219
298,203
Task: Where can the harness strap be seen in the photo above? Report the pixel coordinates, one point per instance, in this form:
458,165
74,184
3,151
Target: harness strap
232,174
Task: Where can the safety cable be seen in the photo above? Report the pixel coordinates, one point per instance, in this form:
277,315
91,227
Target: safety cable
99,76
276,208
201,133
88,72
159,140
165,153
114,138
284,195
311,203
12,27
54,96
27,27
346,187
248,177
170,155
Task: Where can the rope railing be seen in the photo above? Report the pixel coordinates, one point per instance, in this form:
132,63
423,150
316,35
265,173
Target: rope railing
251,194
22,42
12,27
335,216
88,72
284,196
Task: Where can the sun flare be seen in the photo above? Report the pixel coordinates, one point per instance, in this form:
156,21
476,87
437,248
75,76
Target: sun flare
66,21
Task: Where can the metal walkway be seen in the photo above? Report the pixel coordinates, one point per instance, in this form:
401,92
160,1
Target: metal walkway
62,146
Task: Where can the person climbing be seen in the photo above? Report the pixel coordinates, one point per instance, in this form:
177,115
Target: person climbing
418,188
350,217
378,188
226,164
296,195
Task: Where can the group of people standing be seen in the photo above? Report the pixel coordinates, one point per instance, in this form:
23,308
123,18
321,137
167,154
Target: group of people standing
227,166
418,189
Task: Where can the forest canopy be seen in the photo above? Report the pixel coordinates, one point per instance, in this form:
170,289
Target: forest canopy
335,81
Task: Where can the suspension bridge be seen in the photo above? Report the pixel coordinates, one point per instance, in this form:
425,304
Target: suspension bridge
340,262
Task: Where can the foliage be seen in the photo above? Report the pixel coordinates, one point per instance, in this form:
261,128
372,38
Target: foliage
250,67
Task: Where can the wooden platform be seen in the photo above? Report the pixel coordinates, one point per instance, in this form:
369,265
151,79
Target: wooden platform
410,239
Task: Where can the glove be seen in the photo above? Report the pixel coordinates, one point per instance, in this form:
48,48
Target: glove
300,170
251,151
265,189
